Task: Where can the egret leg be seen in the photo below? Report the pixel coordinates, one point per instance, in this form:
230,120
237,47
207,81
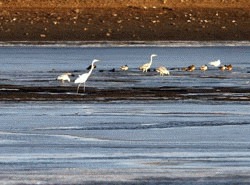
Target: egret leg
84,87
78,88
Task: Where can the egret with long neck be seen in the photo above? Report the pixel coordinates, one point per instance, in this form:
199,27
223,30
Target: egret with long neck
146,66
84,77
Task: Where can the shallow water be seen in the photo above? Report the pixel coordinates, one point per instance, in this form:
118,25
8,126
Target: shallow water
143,142
39,66
124,141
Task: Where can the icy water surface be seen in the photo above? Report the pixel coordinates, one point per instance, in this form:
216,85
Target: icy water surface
140,142
125,141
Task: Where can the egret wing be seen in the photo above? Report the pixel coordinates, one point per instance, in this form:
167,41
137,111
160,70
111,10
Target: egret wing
82,78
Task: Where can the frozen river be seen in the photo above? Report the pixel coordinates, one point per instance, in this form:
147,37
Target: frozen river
125,141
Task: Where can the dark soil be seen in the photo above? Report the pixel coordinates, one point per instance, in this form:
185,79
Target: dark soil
27,93
129,20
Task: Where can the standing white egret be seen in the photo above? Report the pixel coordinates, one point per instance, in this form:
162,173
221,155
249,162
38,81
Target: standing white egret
64,77
84,77
146,66
215,63
162,70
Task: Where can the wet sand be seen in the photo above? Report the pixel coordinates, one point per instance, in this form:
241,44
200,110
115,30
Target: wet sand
124,21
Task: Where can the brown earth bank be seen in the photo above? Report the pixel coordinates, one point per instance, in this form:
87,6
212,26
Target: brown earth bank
123,20
59,93
125,3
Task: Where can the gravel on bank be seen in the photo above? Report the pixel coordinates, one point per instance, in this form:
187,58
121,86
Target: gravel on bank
98,20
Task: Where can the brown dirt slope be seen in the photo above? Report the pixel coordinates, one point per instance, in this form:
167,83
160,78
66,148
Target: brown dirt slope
125,3
119,20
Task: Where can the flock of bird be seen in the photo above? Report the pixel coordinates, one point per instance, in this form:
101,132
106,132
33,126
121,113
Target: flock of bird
81,79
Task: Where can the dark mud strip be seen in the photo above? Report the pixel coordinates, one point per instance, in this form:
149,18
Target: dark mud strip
183,181
59,93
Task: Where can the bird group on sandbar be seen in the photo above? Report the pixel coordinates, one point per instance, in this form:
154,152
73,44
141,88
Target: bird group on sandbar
162,70
204,67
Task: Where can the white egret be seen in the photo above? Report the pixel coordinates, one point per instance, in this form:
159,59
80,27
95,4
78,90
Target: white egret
146,66
203,68
64,77
84,77
162,70
215,63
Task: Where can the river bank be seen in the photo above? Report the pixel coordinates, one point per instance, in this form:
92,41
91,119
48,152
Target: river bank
124,21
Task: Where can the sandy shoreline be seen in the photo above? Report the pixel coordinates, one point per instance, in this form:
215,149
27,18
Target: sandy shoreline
129,20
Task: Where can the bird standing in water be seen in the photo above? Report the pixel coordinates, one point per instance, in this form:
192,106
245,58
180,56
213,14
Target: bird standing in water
215,63
190,68
162,70
222,68
203,68
229,67
64,77
124,68
84,77
146,66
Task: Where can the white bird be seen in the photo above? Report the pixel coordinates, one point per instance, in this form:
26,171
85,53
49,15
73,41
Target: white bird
146,66
215,63
124,68
84,77
162,70
64,77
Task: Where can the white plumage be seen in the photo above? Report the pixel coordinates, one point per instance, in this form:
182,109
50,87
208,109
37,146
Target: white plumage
146,66
84,77
215,63
162,70
64,77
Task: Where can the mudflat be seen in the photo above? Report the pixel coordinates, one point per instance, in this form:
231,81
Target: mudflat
28,93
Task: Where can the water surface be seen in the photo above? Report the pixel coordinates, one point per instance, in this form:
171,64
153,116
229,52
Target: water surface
162,141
